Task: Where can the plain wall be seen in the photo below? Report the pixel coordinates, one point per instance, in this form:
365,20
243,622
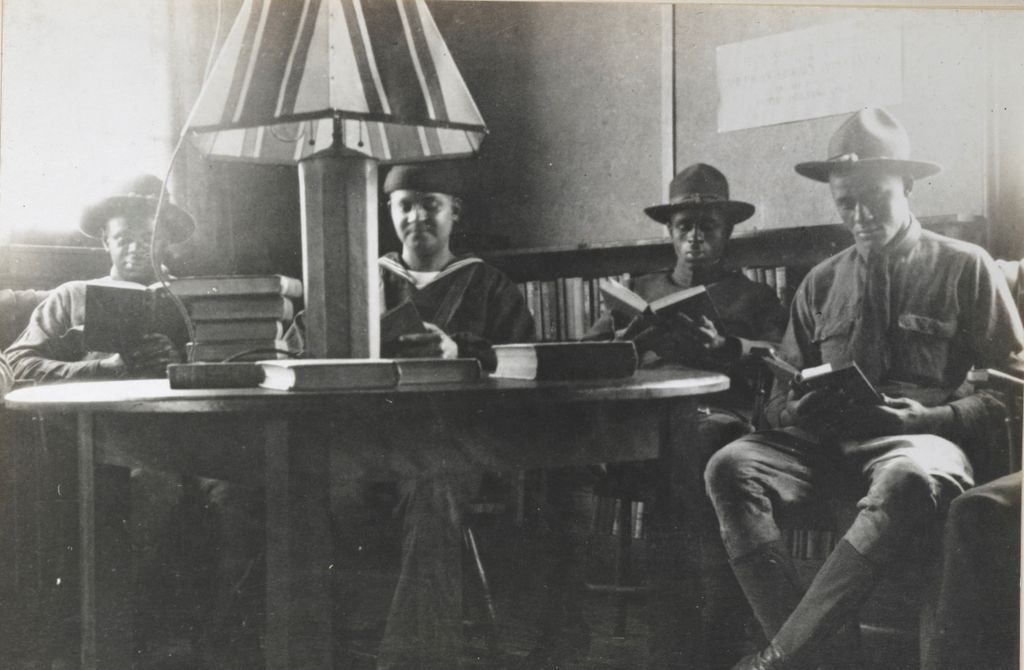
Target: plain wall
571,93
945,109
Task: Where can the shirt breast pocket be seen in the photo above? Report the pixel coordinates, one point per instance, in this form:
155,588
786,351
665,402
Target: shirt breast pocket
832,336
925,345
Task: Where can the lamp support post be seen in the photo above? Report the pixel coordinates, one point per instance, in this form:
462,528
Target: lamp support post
339,253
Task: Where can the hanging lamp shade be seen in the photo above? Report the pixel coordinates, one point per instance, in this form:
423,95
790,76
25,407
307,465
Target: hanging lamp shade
290,68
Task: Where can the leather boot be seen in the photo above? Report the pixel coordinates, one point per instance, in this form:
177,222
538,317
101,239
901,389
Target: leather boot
770,582
831,602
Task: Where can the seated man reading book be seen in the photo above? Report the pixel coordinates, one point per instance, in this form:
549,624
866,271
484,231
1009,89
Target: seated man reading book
700,218
466,306
914,310
53,348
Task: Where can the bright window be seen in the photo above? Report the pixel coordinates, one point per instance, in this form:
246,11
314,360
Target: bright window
85,104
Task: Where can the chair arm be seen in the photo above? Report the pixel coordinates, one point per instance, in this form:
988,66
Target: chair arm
988,376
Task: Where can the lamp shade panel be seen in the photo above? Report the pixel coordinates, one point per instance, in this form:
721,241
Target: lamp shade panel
288,68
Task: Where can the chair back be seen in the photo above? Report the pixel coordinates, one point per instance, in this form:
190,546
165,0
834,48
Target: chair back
15,308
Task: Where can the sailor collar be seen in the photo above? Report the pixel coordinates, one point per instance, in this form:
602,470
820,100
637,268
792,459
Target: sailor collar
393,264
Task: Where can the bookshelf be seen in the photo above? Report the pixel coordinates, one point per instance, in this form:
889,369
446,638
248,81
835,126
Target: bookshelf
559,283
798,247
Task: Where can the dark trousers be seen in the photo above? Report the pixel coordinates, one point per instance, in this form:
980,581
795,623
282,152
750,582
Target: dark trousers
977,616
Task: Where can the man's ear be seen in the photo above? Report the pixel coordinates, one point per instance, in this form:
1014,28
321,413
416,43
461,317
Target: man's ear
103,237
456,208
908,185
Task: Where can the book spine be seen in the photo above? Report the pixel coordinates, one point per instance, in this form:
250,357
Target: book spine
638,519
563,310
212,287
588,305
579,300
781,285
214,375
538,311
549,308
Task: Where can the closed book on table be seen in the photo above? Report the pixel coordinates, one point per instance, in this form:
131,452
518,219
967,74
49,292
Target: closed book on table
236,285
329,374
437,370
239,329
214,375
118,314
250,350
240,308
565,360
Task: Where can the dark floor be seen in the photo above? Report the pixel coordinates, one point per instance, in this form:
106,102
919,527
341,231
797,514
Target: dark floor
512,556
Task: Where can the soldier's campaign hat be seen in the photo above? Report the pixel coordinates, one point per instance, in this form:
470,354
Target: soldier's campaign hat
700,186
871,139
139,194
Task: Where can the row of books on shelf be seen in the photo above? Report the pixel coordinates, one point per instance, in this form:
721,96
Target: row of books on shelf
607,521
773,277
563,309
810,544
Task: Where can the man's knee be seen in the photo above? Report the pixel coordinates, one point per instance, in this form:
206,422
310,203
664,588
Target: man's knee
906,490
730,469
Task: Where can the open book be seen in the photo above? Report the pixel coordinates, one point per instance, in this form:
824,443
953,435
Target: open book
119,313
848,381
404,319
693,303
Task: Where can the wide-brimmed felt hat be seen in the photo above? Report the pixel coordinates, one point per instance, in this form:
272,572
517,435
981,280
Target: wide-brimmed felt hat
870,139
140,194
450,177
700,186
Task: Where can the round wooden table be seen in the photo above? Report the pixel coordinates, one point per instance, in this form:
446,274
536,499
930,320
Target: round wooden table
293,444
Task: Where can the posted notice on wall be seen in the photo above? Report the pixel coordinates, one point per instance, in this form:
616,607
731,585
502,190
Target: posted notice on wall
809,73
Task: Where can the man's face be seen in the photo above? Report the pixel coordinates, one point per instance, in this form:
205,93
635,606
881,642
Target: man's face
128,240
699,235
873,205
423,221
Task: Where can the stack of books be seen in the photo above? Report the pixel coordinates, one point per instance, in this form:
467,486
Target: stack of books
235,314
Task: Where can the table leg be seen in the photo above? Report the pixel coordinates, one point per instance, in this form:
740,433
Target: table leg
674,607
106,576
87,537
299,630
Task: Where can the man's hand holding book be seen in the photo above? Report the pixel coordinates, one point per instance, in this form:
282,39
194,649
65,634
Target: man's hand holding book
149,357
842,403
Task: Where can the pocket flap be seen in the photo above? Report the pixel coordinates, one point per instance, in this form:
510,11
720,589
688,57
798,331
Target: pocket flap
928,325
838,326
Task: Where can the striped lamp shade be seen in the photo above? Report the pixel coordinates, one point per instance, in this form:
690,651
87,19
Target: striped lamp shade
288,68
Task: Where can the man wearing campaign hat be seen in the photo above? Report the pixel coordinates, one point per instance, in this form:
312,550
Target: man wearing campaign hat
914,310
690,565
51,347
